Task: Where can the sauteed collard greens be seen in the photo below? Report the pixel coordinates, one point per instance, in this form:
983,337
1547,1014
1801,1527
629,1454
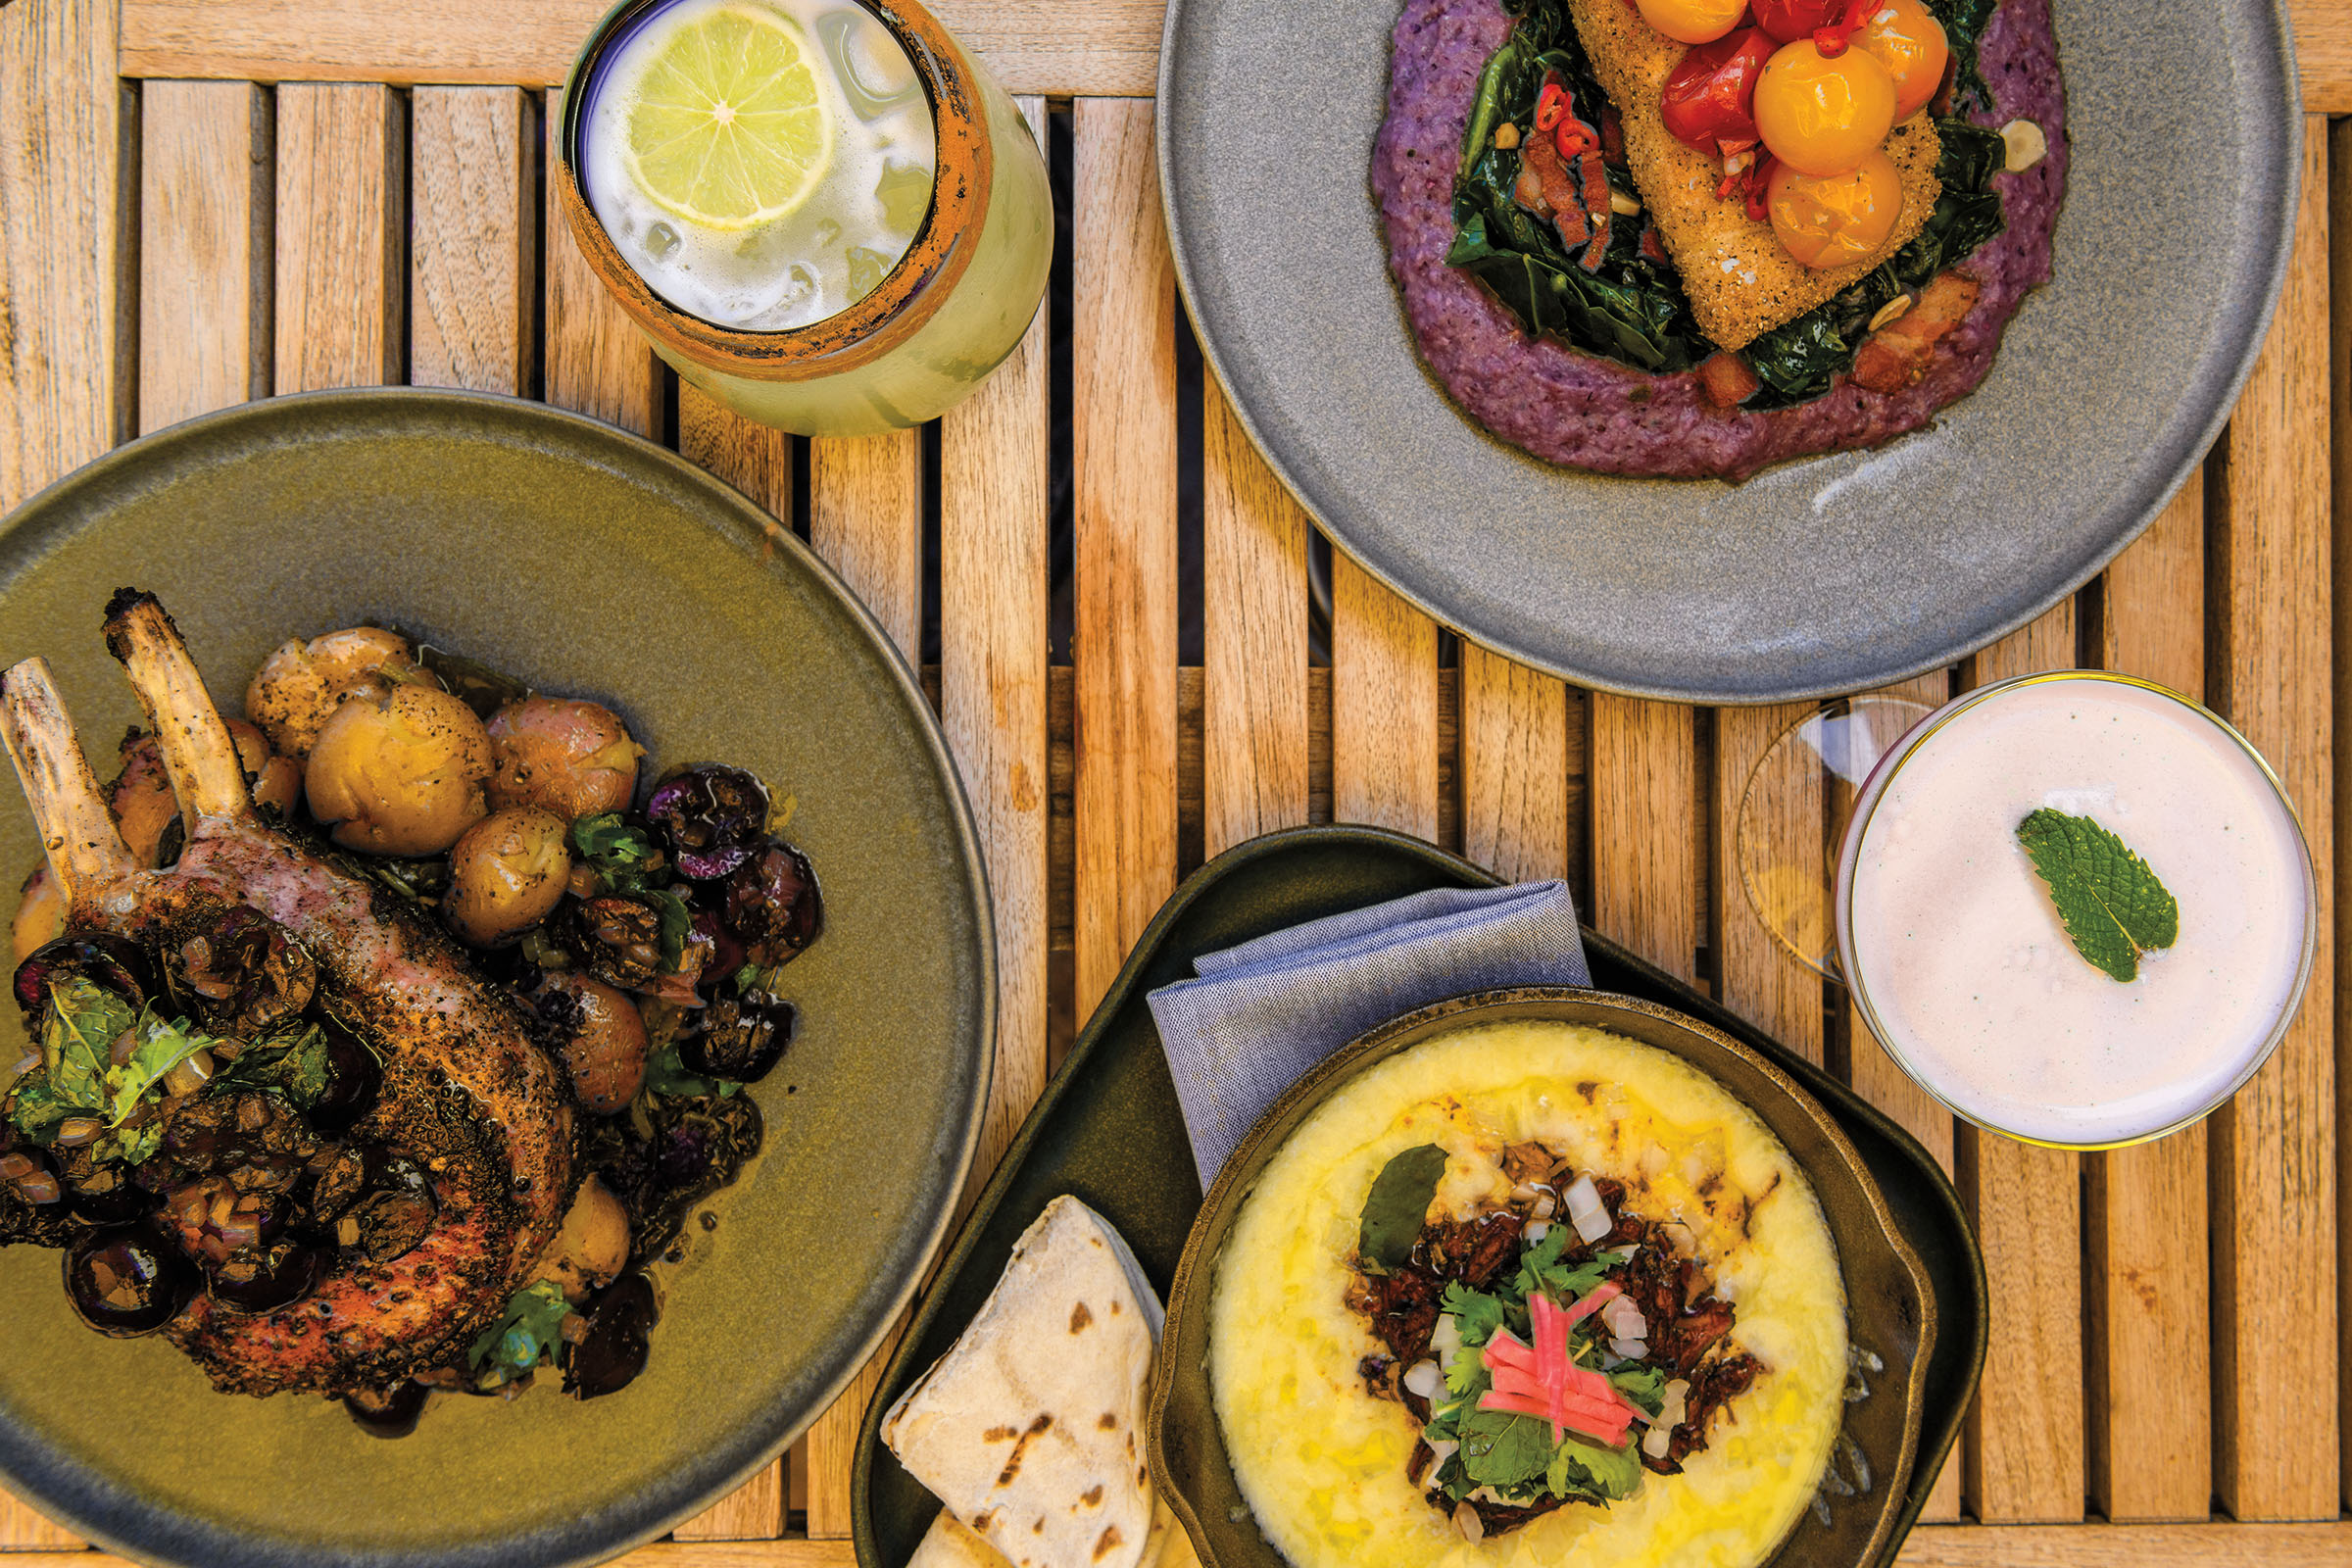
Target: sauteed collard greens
1631,307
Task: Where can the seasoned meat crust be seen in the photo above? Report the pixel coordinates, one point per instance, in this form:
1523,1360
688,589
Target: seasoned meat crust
467,1093
1569,406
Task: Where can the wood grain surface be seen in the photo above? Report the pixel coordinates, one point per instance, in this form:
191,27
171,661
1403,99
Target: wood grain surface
2026,1454
1769,827
1124,438
1253,612
473,253
1384,706
65,353
207,208
2274,1146
1104,47
597,362
865,516
1107,48
2151,1438
1514,767
1645,832
342,208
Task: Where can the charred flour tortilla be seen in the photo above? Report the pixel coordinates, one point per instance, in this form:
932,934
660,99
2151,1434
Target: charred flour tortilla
1649,412
1030,1428
947,1545
1323,1461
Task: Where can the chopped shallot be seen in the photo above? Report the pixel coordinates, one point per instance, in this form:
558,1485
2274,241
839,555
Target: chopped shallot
1586,1212
1445,1340
1629,1350
1624,1319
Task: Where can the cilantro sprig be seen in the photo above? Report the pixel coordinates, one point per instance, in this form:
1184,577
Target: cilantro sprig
78,1077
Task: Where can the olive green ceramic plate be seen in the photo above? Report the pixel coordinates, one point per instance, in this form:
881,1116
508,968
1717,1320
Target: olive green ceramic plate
1108,1130
1891,1311
583,561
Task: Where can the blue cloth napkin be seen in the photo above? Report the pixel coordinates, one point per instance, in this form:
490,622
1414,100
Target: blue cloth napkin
1265,1012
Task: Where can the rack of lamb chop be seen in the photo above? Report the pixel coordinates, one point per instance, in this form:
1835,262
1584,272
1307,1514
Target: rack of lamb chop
469,1097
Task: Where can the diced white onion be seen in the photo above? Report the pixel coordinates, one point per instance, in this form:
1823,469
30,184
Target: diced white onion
1447,1340
1624,1319
1659,1439
1671,1407
1536,1231
1467,1521
1424,1379
1586,1212
1441,1449
1546,1207
1629,1350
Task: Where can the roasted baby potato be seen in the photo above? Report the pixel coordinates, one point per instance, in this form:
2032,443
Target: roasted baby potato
400,773
572,758
505,873
299,686
592,1248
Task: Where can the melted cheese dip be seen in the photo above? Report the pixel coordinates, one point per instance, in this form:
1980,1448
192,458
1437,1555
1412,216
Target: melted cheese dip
1322,1462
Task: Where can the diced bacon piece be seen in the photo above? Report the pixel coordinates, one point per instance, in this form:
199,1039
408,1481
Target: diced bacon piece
1726,382
1895,356
1596,177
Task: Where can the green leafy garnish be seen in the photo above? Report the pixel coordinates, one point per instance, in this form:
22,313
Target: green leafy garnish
1642,1384
1797,360
36,1110
676,920
161,1047
2113,906
1587,1470
625,856
1633,308
1478,1315
1540,1270
296,1062
1397,1207
667,1074
1502,1449
524,1337
78,1032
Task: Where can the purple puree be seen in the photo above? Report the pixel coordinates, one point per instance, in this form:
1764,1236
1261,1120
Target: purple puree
1567,406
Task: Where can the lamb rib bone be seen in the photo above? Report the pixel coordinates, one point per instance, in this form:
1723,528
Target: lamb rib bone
498,1149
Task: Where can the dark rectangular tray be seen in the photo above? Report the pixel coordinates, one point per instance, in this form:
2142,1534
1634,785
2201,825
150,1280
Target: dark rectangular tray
1108,1130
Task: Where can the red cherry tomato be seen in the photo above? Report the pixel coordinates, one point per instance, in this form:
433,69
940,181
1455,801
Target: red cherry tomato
1711,96
1787,20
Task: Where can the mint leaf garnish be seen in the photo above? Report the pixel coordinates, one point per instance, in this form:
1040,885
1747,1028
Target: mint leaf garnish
1396,1207
2112,904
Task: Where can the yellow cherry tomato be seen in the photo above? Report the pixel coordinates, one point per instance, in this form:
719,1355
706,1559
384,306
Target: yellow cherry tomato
1692,20
1904,36
1837,220
1823,117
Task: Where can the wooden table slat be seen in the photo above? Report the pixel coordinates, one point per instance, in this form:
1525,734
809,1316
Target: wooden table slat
1253,612
1107,48
205,204
473,255
596,362
2152,1437
1756,975
342,199
865,516
1645,829
1514,767
2273,1147
1123,437
1384,706
1099,47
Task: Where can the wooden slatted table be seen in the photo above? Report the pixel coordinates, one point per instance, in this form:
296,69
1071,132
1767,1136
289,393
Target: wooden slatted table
205,201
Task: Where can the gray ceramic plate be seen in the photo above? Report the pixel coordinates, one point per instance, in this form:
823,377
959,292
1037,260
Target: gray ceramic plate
1890,1307
588,561
1824,575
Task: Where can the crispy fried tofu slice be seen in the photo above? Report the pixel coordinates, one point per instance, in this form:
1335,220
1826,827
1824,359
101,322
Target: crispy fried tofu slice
1738,280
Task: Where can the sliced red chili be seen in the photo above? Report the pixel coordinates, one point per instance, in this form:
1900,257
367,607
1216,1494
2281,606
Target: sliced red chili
1831,40
1759,191
1550,104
